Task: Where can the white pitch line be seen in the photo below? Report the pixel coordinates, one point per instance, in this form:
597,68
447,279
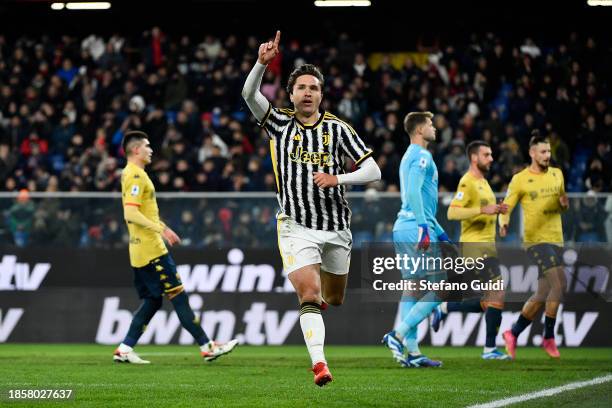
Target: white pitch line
544,393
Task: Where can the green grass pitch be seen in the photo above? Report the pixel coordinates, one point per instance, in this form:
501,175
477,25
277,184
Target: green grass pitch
279,376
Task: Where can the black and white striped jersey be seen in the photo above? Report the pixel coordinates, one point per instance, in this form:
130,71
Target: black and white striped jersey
299,150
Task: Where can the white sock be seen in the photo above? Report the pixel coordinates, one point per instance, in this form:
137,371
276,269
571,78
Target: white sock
444,307
124,348
489,349
313,329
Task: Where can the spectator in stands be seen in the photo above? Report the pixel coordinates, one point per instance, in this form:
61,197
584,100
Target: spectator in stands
19,219
180,91
591,213
65,103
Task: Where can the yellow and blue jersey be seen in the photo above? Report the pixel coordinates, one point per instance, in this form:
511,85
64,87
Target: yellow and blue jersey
137,190
539,195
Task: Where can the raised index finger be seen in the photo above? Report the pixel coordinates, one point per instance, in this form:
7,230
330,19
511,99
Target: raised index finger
277,38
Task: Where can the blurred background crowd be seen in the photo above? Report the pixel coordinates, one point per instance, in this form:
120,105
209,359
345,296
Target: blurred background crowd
66,101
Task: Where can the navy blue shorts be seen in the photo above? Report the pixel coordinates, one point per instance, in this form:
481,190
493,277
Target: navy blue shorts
490,272
546,256
156,278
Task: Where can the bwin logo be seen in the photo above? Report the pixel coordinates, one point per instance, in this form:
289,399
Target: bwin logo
17,275
231,277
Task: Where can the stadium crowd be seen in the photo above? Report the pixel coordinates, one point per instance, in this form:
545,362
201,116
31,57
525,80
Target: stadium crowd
66,102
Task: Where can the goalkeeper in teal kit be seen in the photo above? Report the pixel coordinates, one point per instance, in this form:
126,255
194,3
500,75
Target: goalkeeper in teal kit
414,231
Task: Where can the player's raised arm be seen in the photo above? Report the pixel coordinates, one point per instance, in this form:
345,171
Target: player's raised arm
255,100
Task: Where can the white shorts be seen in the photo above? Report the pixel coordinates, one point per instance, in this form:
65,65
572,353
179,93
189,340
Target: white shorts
300,246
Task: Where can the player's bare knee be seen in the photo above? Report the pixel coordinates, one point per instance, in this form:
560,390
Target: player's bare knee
309,293
497,304
561,283
541,293
495,299
311,297
555,295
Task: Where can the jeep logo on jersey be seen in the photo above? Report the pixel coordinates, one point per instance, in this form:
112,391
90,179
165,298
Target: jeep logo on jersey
18,276
302,156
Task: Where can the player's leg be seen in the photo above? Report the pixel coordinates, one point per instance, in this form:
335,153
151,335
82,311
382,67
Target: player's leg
528,313
335,264
557,281
424,306
409,297
143,315
300,250
172,287
402,240
421,309
410,341
406,331
464,303
439,314
307,284
494,305
333,287
141,319
539,255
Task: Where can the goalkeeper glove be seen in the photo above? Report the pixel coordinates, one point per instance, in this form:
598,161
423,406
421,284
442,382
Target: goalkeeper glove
423,239
443,237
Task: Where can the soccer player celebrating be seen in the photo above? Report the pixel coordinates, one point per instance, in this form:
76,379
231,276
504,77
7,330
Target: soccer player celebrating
155,273
541,191
308,147
416,223
475,206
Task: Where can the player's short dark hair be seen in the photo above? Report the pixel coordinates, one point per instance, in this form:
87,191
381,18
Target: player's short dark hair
536,138
130,138
414,119
305,69
474,147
